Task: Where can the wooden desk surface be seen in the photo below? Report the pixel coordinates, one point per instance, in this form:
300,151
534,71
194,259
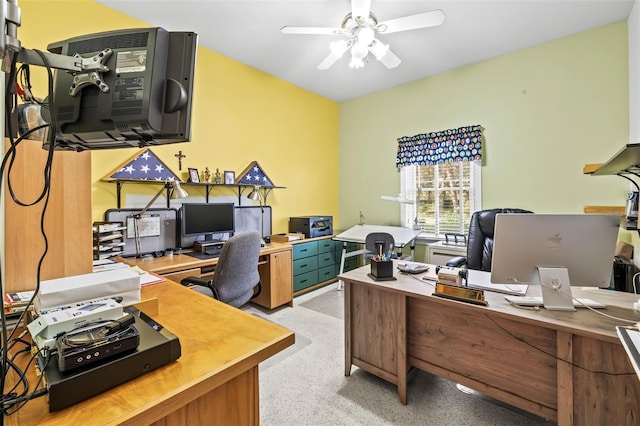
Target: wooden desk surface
218,343
583,321
164,264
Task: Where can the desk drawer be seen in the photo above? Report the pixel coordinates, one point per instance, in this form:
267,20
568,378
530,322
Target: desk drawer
305,250
326,259
305,280
302,266
325,246
328,273
180,275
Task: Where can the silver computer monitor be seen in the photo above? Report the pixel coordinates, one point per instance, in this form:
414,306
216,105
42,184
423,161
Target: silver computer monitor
555,251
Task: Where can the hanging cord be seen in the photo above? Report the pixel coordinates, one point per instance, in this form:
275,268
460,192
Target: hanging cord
6,169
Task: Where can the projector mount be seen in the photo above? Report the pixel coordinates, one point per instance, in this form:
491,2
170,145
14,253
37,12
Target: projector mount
86,71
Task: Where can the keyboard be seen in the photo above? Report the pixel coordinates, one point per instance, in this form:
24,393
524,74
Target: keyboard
537,301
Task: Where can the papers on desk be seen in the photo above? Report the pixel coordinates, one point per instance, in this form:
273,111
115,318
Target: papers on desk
481,280
630,338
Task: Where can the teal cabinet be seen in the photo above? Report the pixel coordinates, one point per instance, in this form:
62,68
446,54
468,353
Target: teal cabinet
317,262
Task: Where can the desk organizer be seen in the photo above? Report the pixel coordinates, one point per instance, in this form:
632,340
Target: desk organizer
382,270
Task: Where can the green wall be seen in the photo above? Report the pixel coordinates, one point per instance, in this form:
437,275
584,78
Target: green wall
546,112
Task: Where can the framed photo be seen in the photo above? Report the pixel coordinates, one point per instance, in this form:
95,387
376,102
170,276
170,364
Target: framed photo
229,177
194,176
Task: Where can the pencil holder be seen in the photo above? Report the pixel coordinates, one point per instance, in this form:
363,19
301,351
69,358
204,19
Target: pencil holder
381,268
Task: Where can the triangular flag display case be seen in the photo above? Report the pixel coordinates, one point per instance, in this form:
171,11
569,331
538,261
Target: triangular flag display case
254,175
144,165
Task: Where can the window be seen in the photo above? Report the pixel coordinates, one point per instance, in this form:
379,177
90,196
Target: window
445,196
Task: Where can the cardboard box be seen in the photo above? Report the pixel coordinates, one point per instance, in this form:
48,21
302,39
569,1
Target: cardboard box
288,237
123,283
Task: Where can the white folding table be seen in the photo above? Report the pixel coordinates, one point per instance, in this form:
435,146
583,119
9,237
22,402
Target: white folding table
402,237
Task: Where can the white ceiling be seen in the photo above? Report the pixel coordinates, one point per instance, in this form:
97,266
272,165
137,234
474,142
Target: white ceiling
473,30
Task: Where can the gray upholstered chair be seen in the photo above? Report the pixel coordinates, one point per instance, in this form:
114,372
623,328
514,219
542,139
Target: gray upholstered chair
375,241
236,274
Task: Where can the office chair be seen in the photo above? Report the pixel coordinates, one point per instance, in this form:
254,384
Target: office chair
374,241
236,274
480,241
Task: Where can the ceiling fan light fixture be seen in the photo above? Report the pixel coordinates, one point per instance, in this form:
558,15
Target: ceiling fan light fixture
356,63
379,49
365,35
359,51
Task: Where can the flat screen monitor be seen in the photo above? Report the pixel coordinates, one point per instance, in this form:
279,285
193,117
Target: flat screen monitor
144,98
209,220
555,251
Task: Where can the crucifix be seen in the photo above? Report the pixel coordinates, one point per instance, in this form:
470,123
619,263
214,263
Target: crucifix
180,156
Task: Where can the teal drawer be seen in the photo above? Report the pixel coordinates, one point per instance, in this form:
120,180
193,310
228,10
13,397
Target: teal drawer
305,280
326,259
302,266
305,250
325,246
349,264
327,273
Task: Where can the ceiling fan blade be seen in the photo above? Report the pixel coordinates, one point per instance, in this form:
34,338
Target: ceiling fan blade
360,8
383,54
310,30
337,50
390,60
432,18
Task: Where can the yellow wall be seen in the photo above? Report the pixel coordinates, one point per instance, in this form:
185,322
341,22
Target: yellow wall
240,115
546,111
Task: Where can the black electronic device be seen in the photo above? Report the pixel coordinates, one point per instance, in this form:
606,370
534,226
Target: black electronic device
143,98
312,226
158,347
207,220
86,348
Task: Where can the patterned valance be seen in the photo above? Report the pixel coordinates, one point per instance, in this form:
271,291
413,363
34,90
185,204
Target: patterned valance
463,143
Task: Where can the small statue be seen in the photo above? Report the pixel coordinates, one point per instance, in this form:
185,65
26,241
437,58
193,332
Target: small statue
207,175
217,177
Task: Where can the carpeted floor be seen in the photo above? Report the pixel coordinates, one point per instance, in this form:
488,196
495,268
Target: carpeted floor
305,384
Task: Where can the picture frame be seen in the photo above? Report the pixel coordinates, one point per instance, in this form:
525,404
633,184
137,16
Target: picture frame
229,177
194,176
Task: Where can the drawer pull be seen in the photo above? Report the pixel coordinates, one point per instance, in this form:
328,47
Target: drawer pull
304,266
303,281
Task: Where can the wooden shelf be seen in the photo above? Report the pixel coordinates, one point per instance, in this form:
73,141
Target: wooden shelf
241,187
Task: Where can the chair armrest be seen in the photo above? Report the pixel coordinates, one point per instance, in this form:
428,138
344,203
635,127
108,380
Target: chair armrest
193,281
457,262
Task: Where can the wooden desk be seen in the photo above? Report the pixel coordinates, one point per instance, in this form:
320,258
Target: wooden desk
274,267
214,382
569,367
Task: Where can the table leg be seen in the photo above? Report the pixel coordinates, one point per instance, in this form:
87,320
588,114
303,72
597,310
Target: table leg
344,254
347,329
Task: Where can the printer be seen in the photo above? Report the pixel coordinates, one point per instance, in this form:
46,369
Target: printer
312,226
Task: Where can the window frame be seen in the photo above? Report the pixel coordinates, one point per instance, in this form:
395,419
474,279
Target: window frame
408,190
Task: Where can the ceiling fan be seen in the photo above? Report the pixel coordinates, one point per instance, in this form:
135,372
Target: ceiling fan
359,29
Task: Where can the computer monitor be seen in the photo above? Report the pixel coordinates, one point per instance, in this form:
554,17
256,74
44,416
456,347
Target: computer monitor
143,99
210,220
555,251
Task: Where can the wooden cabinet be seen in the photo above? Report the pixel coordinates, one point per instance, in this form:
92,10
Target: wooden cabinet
276,281
67,220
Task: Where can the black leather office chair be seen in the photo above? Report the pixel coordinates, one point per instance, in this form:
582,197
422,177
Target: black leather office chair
375,241
480,241
236,274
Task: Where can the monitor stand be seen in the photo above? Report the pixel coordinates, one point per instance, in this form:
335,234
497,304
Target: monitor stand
556,288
